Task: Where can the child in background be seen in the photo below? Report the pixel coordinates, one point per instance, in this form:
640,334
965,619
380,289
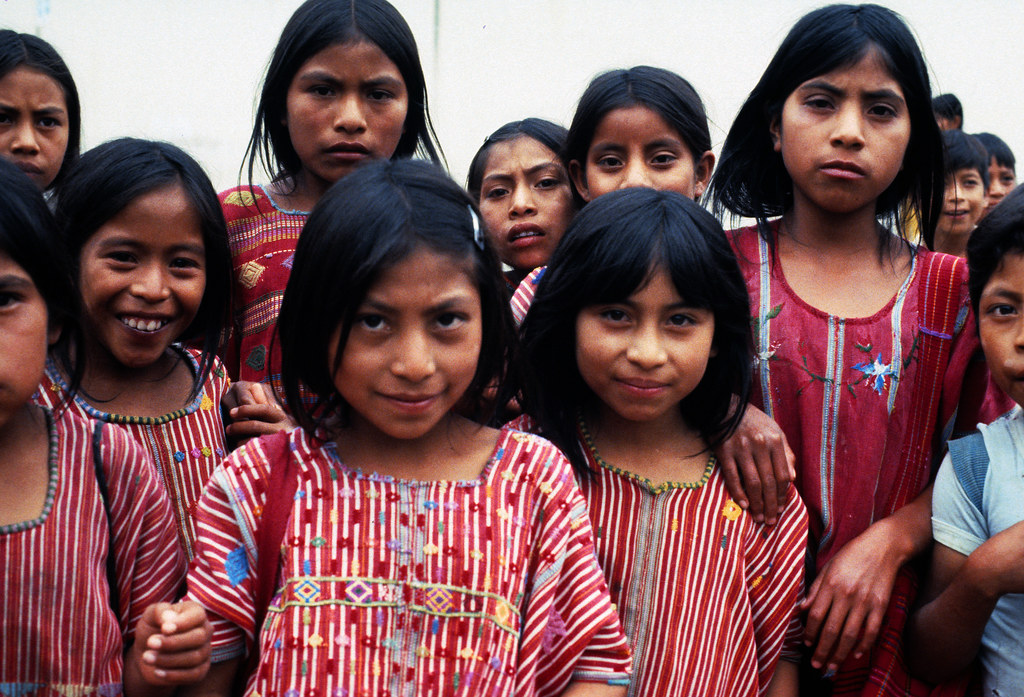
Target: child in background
973,602
521,184
141,222
344,87
949,114
1002,169
640,126
640,337
862,341
40,119
90,560
966,192
423,552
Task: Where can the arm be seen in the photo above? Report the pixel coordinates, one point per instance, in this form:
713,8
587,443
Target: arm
785,682
758,465
172,647
944,635
847,601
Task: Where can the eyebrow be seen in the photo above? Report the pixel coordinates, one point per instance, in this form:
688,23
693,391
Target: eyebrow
1004,293
15,281
445,304
324,76
111,242
532,170
884,93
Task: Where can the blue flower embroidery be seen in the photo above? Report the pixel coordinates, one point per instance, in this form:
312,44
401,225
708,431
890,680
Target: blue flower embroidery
878,371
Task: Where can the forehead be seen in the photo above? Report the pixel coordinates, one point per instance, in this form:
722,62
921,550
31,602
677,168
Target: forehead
26,82
1008,276
422,277
354,60
521,153
637,122
868,72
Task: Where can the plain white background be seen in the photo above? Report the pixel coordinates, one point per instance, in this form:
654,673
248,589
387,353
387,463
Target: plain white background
188,71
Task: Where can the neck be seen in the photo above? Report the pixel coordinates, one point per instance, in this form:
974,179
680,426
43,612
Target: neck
949,243
107,382
614,434
809,225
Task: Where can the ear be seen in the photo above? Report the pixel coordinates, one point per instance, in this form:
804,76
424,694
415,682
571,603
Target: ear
579,179
775,129
702,173
53,333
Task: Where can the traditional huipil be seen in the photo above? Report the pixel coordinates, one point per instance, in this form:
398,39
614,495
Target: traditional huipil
866,405
60,634
400,587
185,445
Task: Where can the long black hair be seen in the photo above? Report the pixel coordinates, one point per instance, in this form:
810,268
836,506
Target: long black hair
607,254
112,175
751,179
365,224
315,26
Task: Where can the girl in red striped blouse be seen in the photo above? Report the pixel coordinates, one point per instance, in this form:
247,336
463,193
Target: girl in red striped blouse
87,545
640,336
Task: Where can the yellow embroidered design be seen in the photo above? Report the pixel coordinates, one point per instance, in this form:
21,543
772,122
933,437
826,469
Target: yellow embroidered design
241,198
249,274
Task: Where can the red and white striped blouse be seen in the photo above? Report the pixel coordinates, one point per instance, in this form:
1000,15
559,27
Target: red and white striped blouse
486,587
60,635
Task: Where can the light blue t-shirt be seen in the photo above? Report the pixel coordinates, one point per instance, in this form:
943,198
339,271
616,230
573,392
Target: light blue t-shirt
970,504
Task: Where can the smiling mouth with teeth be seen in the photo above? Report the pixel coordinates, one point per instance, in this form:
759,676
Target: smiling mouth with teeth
143,325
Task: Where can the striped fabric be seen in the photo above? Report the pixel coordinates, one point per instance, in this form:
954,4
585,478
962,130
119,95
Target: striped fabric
60,636
865,406
262,239
523,297
185,445
424,588
707,597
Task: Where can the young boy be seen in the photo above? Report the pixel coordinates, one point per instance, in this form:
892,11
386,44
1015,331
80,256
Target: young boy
1002,169
973,600
966,191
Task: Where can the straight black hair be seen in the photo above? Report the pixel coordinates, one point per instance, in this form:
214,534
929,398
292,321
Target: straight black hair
29,51
365,224
112,175
964,151
549,134
998,150
999,233
669,95
28,235
751,179
609,252
948,107
315,26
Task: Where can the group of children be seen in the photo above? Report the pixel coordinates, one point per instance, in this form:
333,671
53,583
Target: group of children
649,457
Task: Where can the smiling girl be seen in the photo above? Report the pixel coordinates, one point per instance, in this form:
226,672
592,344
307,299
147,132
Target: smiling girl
141,222
344,87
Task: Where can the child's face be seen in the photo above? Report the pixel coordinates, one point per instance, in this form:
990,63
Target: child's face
642,356
1001,325
33,124
526,202
963,203
1001,181
413,348
345,106
25,337
633,147
142,278
843,135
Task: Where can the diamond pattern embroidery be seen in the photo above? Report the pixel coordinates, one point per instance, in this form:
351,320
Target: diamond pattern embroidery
307,591
250,272
439,600
359,591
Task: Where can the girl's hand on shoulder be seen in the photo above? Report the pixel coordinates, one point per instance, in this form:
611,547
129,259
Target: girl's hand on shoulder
254,411
847,601
758,465
172,644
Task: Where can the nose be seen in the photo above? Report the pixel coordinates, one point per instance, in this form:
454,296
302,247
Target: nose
645,347
848,128
635,174
150,284
522,202
350,116
24,138
414,357
1019,339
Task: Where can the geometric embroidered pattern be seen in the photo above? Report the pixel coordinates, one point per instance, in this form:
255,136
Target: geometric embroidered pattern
249,274
439,600
257,359
358,591
307,591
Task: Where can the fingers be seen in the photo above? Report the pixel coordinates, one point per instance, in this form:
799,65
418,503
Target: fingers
258,394
759,481
731,474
